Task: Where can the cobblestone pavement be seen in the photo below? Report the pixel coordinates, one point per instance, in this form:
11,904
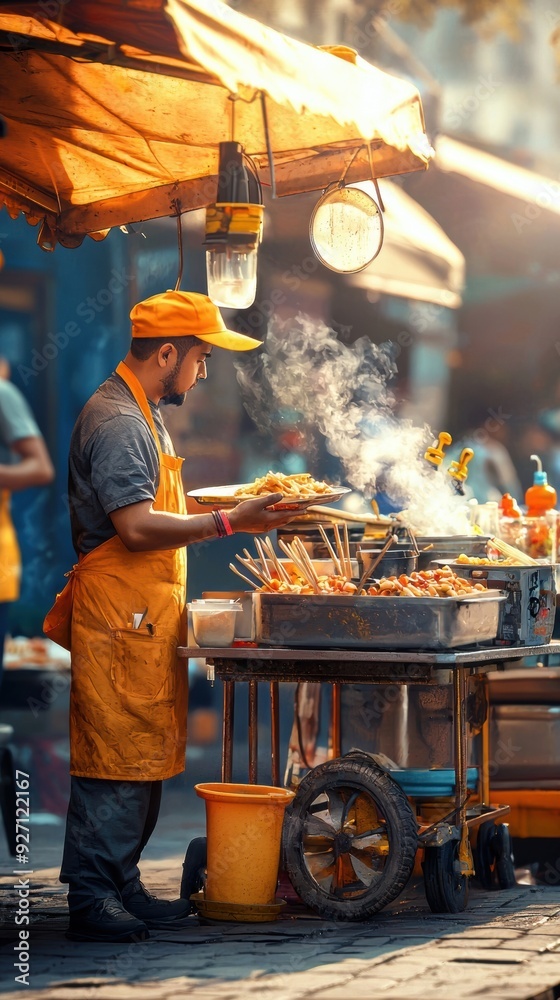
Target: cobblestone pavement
505,945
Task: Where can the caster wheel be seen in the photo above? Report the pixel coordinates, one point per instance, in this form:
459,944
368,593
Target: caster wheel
446,890
194,869
505,868
350,839
484,855
494,858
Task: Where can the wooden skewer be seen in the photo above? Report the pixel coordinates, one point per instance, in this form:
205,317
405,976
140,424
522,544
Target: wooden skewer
347,550
334,514
298,550
254,570
287,550
253,565
293,556
306,560
332,553
339,549
369,571
235,570
412,536
263,559
280,569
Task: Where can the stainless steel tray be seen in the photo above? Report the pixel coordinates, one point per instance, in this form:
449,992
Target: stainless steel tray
338,622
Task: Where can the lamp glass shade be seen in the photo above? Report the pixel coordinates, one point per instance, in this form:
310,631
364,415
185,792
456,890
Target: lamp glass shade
232,276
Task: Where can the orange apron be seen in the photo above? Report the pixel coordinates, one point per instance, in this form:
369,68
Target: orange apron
128,699
10,558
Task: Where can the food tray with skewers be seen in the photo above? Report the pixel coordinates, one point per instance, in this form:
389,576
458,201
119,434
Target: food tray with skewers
431,610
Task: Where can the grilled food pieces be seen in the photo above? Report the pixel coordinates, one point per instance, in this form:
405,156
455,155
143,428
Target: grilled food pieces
299,485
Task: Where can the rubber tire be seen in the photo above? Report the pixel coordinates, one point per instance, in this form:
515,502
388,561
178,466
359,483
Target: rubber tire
194,868
446,891
505,867
364,776
484,861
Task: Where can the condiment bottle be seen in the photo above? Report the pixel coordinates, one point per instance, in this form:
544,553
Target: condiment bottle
540,497
509,506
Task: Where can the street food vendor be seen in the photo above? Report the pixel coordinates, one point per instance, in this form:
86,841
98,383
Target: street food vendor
122,613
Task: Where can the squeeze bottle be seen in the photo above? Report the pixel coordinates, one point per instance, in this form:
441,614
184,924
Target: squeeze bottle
540,497
509,506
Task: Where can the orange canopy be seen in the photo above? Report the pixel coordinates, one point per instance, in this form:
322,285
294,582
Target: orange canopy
114,113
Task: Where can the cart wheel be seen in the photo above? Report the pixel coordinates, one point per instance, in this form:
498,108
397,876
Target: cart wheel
446,890
505,868
350,839
194,869
485,858
494,859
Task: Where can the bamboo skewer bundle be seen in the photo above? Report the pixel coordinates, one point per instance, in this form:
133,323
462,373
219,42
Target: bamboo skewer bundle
511,552
280,569
339,549
307,562
295,558
262,556
251,565
348,563
235,570
332,553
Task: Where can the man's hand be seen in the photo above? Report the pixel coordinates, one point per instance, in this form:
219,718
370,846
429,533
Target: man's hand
254,517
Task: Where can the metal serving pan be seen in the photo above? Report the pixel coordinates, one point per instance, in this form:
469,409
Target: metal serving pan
326,621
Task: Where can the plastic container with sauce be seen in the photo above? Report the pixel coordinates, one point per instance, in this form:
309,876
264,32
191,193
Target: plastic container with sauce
213,621
540,497
509,506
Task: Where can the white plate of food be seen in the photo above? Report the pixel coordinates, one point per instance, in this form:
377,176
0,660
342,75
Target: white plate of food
299,491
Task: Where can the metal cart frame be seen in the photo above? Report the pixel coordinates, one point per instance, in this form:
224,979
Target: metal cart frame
336,666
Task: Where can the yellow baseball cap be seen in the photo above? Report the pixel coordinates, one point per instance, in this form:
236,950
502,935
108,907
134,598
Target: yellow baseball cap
186,314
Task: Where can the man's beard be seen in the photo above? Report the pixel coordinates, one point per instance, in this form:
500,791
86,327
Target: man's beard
170,397
174,399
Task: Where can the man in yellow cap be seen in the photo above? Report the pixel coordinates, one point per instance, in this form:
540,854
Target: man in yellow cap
122,613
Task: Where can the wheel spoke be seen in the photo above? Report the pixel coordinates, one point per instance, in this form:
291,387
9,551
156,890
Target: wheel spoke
336,807
320,866
347,807
376,844
361,863
371,836
318,826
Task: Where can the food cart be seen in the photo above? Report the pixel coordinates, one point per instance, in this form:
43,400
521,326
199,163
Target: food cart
352,834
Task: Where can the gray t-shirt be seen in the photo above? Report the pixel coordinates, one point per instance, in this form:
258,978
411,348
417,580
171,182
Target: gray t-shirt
16,421
113,461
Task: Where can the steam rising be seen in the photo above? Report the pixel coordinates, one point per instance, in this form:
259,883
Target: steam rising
343,392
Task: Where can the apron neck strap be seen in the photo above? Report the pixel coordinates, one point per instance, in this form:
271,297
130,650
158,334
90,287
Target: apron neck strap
139,394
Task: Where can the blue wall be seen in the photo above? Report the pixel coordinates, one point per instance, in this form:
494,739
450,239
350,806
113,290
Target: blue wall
60,352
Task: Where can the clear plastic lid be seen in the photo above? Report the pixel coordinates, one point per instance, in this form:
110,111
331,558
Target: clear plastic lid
213,604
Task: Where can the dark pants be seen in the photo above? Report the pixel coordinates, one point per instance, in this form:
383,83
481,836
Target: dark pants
108,825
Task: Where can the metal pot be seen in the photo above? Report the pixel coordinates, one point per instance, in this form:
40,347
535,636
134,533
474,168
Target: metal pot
393,563
448,547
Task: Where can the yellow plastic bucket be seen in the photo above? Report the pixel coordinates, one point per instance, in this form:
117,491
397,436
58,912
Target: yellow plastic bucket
244,834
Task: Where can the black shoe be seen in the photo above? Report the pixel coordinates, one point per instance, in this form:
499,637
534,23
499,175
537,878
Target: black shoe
153,911
106,920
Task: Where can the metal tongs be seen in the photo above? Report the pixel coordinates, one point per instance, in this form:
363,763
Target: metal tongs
369,571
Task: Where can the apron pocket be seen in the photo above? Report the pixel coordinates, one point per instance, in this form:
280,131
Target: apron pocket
143,666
